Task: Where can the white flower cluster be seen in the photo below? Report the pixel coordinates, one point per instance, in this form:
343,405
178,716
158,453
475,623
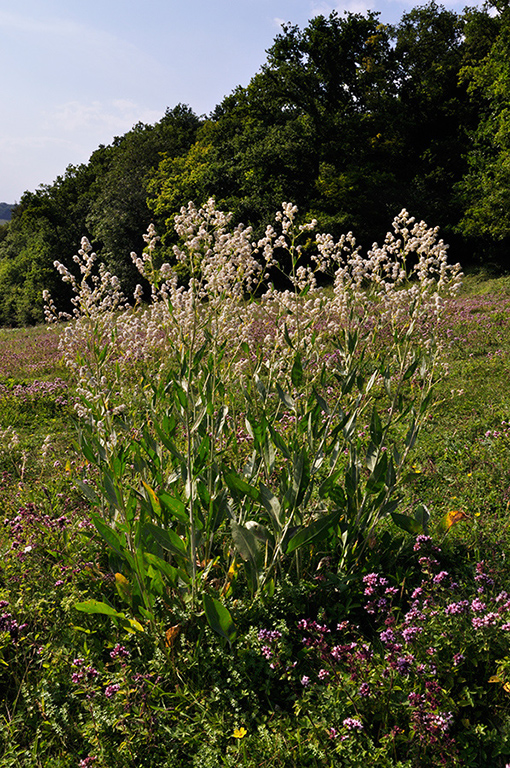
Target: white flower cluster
401,283
9,440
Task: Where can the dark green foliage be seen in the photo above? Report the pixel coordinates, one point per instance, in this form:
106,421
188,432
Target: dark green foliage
46,225
485,188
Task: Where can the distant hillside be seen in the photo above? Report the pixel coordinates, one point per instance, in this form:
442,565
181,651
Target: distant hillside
5,212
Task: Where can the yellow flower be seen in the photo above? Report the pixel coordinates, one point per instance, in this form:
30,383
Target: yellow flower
239,733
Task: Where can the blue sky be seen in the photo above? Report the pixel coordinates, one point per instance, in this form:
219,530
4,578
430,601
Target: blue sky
75,74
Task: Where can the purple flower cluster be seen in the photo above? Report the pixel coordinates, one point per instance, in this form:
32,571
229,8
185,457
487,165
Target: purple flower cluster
83,674
88,761
380,593
27,526
111,690
353,724
54,391
119,652
9,624
271,651
412,662
454,609
482,578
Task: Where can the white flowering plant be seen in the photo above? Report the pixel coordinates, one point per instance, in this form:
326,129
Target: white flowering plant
236,424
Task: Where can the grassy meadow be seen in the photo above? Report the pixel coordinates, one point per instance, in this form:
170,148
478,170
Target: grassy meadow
231,609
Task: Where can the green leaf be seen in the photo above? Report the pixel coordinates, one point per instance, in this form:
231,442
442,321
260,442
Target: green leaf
237,485
329,488
422,516
219,618
87,451
155,502
272,507
279,442
260,387
411,369
296,373
89,492
377,479
371,460
300,478
168,570
411,436
167,442
167,538
387,381
110,492
95,606
110,536
425,403
286,399
220,420
260,532
246,544
268,454
174,506
323,406
376,430
287,337
315,531
406,523
349,427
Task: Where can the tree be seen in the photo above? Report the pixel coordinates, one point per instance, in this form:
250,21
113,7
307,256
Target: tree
485,189
46,225
315,110
432,114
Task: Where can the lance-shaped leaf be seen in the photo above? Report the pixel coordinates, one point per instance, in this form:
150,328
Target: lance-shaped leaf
247,544
155,502
167,538
314,532
296,373
376,429
112,538
175,506
89,492
422,516
406,523
411,368
240,487
286,399
272,507
377,479
279,442
96,606
219,618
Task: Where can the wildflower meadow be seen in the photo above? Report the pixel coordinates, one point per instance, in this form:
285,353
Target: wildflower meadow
259,511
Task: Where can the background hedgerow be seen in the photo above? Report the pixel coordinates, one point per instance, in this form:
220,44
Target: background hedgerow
244,545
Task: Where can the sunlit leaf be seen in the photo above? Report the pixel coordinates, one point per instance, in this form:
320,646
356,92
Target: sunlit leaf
96,606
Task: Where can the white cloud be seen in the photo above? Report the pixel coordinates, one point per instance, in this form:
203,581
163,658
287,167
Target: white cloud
98,117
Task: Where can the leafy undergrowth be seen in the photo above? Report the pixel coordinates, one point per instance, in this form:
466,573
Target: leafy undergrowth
401,663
